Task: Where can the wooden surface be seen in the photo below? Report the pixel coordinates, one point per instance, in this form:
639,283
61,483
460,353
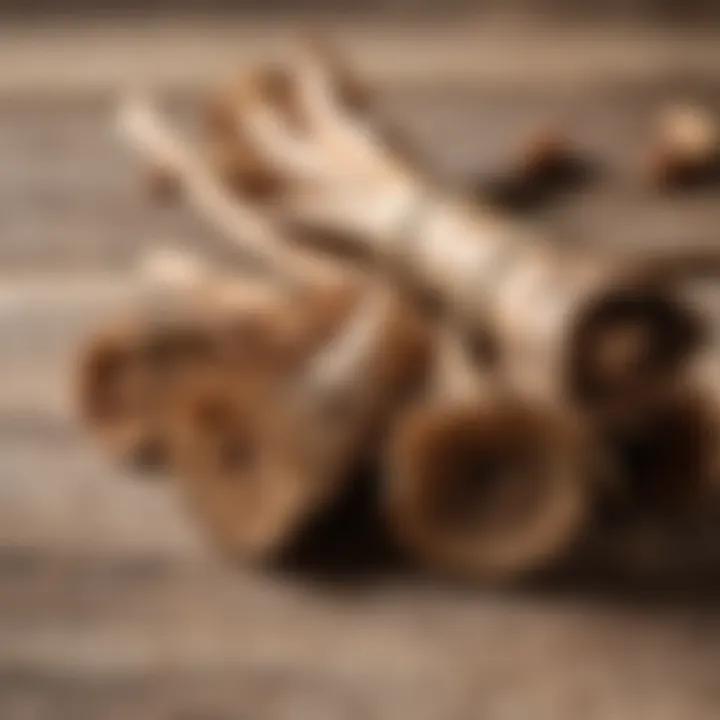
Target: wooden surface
79,56
109,605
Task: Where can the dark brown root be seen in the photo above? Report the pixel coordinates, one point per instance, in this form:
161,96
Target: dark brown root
630,346
672,463
489,492
628,352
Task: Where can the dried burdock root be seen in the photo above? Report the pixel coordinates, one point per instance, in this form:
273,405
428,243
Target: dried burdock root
629,354
547,165
230,151
490,492
225,148
252,233
256,466
686,150
324,290
485,485
130,370
225,469
613,344
126,375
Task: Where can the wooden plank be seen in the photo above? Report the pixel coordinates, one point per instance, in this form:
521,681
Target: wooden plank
111,609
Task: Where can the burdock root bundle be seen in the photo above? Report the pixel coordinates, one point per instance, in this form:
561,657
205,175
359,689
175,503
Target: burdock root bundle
507,391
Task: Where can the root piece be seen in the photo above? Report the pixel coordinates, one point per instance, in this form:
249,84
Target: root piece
130,370
252,233
629,354
484,485
226,474
305,434
126,376
487,492
686,150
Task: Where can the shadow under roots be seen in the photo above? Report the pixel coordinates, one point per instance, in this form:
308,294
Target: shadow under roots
349,544
648,562
349,541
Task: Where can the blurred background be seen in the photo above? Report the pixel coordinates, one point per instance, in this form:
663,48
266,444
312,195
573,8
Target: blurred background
110,606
